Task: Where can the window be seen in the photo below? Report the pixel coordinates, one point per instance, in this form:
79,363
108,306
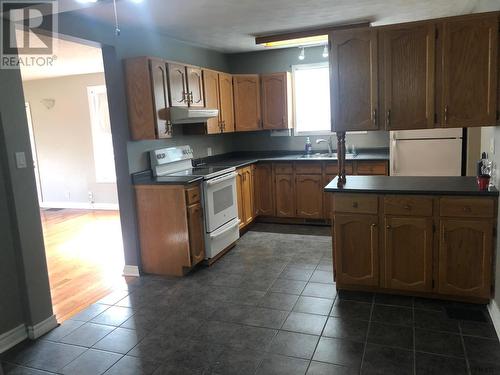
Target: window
311,87
102,141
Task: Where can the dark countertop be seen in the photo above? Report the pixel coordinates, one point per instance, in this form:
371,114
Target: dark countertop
147,178
410,185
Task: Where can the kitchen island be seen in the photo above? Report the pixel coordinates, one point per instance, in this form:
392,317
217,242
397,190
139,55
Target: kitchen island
423,236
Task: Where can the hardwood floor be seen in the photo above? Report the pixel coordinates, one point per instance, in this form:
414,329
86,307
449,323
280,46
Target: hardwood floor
84,251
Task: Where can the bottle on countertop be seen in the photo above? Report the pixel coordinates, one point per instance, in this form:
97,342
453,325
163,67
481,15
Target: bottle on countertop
309,146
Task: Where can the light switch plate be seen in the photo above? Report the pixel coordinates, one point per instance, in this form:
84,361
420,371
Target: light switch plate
21,160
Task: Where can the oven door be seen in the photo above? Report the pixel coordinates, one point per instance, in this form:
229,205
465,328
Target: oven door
220,201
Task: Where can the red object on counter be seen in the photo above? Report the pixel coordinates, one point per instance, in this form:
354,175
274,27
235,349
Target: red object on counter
483,182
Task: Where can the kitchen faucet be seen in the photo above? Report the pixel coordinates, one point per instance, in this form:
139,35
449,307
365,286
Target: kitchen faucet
328,143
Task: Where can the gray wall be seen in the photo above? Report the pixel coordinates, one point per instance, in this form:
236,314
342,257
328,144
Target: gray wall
496,160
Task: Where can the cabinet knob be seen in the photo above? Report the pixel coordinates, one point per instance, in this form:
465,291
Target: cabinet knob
388,226
354,204
467,209
446,114
407,207
374,225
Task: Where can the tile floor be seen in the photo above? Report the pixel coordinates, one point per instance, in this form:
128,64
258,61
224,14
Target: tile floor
268,307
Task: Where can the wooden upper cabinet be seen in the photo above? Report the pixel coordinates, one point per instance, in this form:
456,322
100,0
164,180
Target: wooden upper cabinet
356,249
247,102
160,94
211,91
226,102
177,84
276,100
469,71
408,253
465,257
407,79
195,86
353,80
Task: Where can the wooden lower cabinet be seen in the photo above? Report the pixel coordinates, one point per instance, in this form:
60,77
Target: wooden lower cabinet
465,257
245,192
285,195
309,196
408,253
356,249
264,189
196,233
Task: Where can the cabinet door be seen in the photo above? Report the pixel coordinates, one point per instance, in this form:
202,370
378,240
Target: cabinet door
469,71
285,195
211,88
408,77
408,253
226,102
160,93
309,196
353,80
465,251
240,193
247,102
328,197
263,190
196,233
275,100
356,249
195,87
177,85
247,196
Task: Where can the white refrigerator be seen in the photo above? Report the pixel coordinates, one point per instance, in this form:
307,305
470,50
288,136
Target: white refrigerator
433,152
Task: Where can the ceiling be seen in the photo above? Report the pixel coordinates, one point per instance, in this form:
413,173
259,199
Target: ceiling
72,58
231,25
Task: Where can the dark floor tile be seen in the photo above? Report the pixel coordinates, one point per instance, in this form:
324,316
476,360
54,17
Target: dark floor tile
93,362
178,369
354,330
325,266
43,355
87,335
384,360
144,320
11,369
294,344
340,352
62,330
320,368
393,300
443,343
279,365
232,361
113,297
312,230
288,286
247,297
179,325
252,338
313,305
391,335
263,317
195,354
129,365
392,315
319,276
121,340
429,304
90,312
481,368
216,331
279,301
435,321
473,313
305,323
427,364
114,316
294,273
320,290
229,313
156,347
351,309
349,295
477,329
482,350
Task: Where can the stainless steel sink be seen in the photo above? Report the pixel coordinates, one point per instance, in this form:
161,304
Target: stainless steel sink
325,156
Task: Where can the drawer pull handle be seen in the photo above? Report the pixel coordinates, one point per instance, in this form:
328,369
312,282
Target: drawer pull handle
407,207
354,204
467,209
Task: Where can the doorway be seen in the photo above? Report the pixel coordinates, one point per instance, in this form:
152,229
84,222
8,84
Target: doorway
73,160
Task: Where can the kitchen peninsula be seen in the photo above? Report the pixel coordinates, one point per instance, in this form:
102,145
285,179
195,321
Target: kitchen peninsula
424,236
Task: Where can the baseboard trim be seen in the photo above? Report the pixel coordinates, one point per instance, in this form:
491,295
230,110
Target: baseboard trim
42,328
81,205
132,271
494,311
13,337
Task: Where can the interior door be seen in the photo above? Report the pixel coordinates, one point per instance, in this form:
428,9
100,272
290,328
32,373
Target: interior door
211,88
34,153
353,80
195,87
177,84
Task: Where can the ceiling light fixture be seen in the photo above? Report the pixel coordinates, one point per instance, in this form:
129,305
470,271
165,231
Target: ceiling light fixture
302,54
305,41
325,51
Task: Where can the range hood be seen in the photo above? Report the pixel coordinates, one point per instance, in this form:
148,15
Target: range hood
186,115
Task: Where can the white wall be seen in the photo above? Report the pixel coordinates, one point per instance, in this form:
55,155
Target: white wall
64,141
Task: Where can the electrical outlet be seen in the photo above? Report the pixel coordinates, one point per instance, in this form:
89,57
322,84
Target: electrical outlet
68,195
21,160
91,197
492,146
209,151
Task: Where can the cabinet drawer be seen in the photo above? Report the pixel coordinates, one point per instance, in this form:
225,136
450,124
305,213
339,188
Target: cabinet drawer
466,207
371,168
356,203
193,195
283,168
333,168
413,206
308,168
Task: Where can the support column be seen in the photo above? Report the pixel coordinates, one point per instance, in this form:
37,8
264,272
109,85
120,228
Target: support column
341,158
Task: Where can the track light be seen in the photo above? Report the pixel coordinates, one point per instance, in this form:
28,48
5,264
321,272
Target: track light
325,51
302,54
